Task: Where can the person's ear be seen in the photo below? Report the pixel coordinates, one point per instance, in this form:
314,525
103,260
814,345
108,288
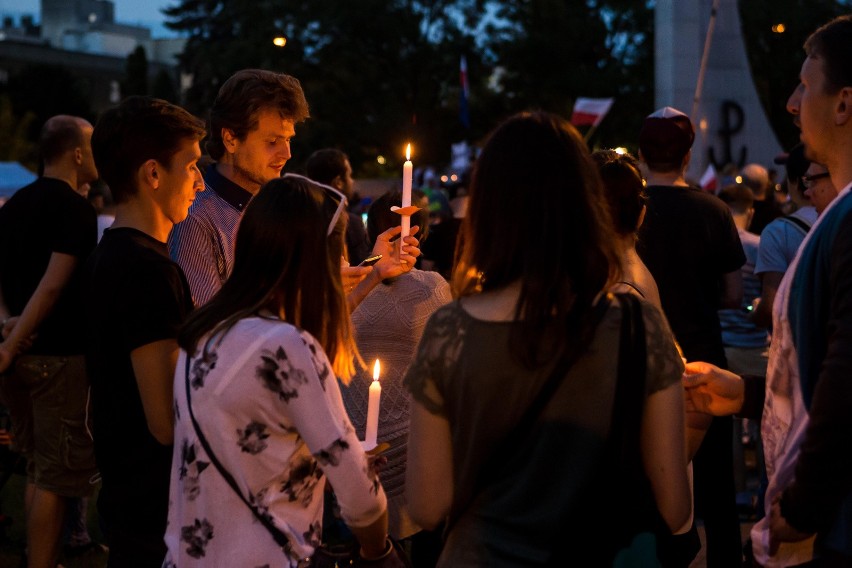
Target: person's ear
337,183
150,174
78,156
229,140
843,111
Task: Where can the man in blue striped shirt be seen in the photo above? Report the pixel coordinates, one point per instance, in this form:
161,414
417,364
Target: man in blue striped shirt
251,124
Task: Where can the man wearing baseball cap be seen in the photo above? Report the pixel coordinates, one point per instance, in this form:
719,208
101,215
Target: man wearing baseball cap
690,244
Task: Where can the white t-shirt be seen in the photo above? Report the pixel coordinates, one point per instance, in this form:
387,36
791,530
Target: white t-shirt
780,240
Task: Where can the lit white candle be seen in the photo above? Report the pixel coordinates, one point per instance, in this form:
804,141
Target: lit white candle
407,172
373,409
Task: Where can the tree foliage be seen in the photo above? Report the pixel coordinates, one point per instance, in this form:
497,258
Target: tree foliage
378,73
14,131
136,73
775,58
164,87
37,92
555,51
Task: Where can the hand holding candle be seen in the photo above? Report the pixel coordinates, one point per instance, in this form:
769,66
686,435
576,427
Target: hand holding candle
373,409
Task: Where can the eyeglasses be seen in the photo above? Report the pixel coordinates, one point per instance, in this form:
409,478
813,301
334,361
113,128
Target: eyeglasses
808,181
341,199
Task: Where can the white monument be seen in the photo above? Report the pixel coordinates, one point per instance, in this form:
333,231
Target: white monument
730,123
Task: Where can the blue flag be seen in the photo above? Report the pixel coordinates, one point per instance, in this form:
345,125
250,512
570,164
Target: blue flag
464,115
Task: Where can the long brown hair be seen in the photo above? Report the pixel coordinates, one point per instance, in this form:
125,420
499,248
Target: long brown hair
537,215
285,262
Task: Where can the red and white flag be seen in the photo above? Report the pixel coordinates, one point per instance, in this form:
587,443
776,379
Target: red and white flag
709,181
590,112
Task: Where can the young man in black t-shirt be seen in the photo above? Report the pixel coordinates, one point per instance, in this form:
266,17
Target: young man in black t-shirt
147,150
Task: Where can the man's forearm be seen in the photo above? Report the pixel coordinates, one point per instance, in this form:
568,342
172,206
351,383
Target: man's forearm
41,303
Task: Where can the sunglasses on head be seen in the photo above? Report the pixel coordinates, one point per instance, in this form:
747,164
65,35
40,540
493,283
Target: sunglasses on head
330,191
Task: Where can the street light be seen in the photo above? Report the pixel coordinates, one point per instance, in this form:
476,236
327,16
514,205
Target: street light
280,41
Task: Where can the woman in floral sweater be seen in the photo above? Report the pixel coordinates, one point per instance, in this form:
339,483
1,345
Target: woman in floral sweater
260,388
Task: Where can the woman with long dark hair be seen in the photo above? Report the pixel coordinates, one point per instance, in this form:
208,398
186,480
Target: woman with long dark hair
260,422
547,421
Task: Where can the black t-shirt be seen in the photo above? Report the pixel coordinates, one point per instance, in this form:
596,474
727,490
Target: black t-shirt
440,247
135,296
689,241
44,217
764,213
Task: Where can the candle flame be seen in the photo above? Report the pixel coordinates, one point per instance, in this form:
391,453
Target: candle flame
377,369
408,152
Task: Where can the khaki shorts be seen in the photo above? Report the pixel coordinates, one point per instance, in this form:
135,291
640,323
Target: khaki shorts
47,399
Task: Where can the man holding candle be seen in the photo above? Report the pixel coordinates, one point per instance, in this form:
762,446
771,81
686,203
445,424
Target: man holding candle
251,124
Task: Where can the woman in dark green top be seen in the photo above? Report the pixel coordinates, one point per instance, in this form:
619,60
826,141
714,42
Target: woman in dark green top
537,256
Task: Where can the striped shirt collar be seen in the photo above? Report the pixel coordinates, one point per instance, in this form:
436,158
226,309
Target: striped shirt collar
235,195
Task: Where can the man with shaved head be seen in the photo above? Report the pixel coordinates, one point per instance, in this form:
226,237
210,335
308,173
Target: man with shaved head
48,230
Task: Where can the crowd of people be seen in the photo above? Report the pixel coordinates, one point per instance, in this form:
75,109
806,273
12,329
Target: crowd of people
565,399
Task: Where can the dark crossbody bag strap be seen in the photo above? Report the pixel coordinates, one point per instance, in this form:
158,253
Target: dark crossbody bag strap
632,376
623,454
280,537
800,223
